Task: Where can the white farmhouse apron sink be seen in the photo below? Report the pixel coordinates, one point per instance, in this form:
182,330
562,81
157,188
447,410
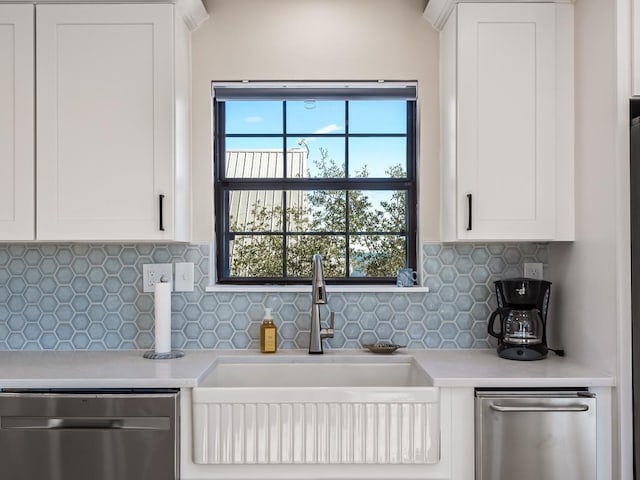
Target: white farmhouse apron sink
316,410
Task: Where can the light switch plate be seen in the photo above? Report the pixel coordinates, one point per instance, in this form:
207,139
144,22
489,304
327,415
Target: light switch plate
184,277
153,273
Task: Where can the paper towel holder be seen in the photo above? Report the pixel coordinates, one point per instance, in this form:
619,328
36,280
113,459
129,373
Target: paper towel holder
154,355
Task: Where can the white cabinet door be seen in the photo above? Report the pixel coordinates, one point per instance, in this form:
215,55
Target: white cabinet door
105,142
17,162
506,121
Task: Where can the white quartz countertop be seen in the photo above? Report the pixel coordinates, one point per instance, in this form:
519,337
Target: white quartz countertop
483,368
128,369
103,369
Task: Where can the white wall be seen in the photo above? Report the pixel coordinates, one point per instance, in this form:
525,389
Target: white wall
315,40
591,291
584,272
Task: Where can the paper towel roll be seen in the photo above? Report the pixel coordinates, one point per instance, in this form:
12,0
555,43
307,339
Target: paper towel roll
162,312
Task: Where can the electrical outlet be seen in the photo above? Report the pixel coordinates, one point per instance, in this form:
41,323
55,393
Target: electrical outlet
153,273
184,277
533,270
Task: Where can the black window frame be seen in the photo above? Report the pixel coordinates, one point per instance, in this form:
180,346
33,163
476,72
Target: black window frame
223,184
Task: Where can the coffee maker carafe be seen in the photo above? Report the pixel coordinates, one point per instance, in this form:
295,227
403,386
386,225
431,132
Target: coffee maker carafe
522,309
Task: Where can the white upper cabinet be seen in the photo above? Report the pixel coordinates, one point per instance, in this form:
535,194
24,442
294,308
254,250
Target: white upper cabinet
112,118
17,163
105,122
507,122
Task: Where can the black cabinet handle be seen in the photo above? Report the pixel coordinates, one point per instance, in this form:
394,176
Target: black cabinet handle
161,213
470,202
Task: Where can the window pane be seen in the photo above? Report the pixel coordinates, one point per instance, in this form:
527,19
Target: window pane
256,256
316,211
384,157
254,158
325,155
255,211
376,255
315,117
377,116
281,149
301,248
377,211
253,117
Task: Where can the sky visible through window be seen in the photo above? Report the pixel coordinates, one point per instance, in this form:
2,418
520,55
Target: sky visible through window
309,120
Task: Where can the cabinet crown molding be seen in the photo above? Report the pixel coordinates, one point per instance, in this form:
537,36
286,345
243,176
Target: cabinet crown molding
193,12
438,11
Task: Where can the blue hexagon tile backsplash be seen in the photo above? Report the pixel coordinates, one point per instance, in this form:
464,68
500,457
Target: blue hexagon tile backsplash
89,297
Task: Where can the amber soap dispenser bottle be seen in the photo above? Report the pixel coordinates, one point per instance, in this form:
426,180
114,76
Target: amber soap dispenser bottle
268,334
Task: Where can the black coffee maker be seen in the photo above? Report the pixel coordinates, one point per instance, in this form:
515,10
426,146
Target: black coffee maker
522,308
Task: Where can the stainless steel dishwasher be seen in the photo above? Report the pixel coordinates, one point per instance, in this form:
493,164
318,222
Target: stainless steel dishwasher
533,435
88,434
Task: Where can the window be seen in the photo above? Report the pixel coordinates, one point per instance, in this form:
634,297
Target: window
314,169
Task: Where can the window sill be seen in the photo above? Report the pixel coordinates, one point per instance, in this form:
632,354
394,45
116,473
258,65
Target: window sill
307,288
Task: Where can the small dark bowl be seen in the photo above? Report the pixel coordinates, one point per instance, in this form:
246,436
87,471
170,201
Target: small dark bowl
382,347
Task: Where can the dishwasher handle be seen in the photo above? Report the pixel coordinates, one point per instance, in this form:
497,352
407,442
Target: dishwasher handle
84,423
539,408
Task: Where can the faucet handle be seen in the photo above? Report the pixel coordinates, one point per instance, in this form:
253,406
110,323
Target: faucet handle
328,332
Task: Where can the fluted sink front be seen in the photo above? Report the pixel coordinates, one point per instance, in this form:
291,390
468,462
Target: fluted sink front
311,410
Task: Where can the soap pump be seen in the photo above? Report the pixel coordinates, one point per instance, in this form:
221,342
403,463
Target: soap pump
268,334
